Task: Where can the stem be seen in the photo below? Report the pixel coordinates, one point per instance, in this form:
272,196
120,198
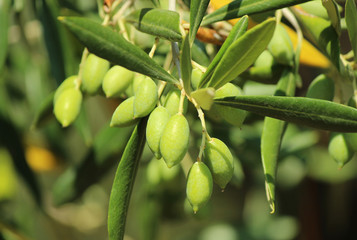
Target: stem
154,47
200,67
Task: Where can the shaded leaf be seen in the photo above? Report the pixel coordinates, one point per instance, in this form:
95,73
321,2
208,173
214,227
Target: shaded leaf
197,11
315,113
334,14
124,182
242,53
44,112
186,66
240,8
105,43
157,22
237,31
351,22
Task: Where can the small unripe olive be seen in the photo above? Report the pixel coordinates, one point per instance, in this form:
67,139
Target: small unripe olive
196,77
123,116
231,115
281,46
199,185
146,97
155,127
158,172
135,83
322,87
172,102
220,161
116,80
68,106
68,83
174,140
265,59
93,73
339,149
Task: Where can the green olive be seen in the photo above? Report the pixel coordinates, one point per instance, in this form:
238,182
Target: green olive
322,87
231,115
155,127
339,149
123,116
68,106
172,102
281,46
146,97
199,185
116,81
70,82
196,77
93,72
174,140
220,161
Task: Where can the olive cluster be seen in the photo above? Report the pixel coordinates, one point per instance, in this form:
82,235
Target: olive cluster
167,131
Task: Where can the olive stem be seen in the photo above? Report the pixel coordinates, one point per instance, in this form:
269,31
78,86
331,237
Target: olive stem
154,47
200,67
125,6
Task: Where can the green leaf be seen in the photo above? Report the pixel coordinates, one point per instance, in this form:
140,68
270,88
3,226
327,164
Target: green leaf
272,134
4,25
124,182
242,53
204,97
197,11
186,66
315,113
107,147
105,43
237,31
334,14
157,22
351,21
199,55
240,8
321,33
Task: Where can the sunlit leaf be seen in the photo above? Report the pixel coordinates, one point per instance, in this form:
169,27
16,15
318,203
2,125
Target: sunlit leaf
204,97
186,67
197,11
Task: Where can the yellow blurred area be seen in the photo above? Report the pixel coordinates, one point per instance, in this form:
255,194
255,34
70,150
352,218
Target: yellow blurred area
40,159
309,55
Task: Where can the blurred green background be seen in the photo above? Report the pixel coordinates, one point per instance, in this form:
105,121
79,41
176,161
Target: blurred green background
55,183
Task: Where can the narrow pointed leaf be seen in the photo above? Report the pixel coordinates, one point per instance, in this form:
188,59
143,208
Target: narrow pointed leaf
237,31
197,11
157,22
272,134
242,53
186,66
44,113
334,14
240,8
204,97
310,112
105,43
351,22
124,182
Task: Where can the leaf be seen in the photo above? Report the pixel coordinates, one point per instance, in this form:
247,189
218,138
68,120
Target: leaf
242,53
199,55
315,113
157,22
237,31
107,147
240,8
272,134
4,25
351,22
124,181
197,11
105,43
186,67
320,32
204,97
334,14
12,140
